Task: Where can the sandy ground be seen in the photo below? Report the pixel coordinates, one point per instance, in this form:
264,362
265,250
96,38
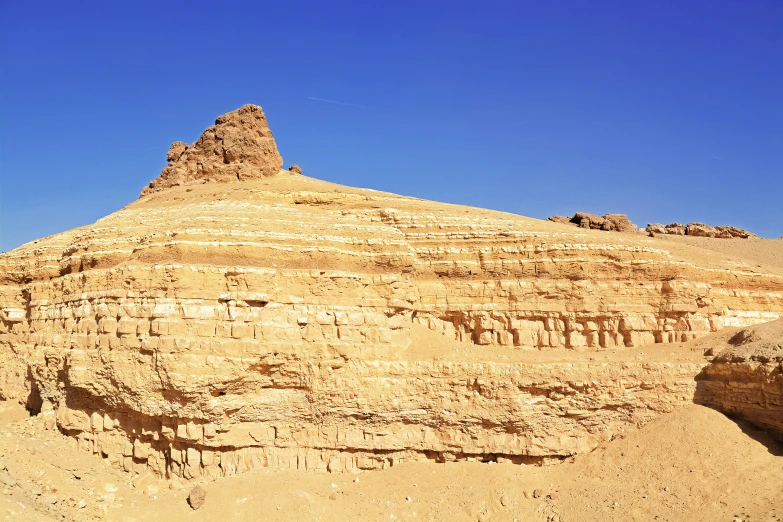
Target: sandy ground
757,250
692,464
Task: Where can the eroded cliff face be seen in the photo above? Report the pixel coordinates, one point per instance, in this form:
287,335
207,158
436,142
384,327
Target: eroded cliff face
284,321
745,378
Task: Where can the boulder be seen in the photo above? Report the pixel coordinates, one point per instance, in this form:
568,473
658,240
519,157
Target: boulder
295,169
615,222
197,497
700,230
677,229
655,228
587,220
618,222
725,231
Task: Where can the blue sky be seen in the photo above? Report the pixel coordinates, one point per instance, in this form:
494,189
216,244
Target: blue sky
666,110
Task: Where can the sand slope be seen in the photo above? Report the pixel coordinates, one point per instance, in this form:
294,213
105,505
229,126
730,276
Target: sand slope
693,464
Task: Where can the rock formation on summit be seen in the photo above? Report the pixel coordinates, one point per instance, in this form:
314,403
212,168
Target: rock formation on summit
240,146
284,321
616,222
699,230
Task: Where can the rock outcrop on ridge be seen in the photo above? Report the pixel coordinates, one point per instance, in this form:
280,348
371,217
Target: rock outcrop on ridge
616,222
283,321
240,146
700,230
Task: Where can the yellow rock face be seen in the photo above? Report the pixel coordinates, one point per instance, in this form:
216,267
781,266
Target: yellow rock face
212,327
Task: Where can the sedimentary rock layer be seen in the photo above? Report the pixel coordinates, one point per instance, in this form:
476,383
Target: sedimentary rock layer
745,378
283,321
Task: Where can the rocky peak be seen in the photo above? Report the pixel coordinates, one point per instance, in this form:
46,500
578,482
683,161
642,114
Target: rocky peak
239,146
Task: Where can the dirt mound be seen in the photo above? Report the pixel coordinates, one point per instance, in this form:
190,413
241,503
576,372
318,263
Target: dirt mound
239,146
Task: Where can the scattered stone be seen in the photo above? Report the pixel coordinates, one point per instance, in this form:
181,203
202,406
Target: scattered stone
295,169
504,501
537,493
81,504
197,497
333,496
50,499
37,492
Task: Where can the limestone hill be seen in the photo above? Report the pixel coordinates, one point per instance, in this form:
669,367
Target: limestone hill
231,320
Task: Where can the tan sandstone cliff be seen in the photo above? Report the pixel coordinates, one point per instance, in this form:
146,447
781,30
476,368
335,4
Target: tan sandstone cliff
231,319
745,378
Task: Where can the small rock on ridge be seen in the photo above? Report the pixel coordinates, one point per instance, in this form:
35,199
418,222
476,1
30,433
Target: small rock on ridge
295,169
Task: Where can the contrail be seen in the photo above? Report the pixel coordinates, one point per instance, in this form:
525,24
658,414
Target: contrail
337,102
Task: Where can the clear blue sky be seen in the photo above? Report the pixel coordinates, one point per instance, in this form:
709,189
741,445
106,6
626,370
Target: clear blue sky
664,110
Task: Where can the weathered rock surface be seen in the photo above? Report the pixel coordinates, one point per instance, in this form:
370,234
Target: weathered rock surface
288,322
699,230
745,378
197,497
616,222
239,146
